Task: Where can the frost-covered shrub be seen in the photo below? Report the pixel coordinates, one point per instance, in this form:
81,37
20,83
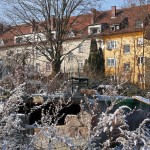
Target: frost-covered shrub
138,139
111,131
11,126
104,134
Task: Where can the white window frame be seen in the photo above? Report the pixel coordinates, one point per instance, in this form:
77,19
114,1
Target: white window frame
1,42
40,37
140,41
91,28
24,38
70,57
118,27
28,38
54,34
111,44
81,64
115,27
141,60
80,48
110,64
112,28
71,34
71,71
32,37
20,41
139,24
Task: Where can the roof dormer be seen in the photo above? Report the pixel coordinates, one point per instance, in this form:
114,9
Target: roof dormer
1,42
115,27
139,24
94,29
71,33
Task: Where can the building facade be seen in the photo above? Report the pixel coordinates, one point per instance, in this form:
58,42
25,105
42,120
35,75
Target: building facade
123,35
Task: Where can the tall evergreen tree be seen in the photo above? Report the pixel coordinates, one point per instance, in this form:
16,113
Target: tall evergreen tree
92,55
95,62
100,61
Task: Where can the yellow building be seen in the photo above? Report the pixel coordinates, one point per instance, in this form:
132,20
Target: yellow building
126,47
126,57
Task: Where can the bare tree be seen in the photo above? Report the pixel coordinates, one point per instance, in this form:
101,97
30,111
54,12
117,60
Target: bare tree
53,19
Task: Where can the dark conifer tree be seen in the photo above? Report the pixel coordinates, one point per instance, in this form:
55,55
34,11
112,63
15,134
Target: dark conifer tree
100,61
93,56
95,62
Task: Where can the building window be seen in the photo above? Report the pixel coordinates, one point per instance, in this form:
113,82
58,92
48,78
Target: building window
126,67
111,44
140,41
70,57
19,40
95,29
80,48
71,34
115,27
71,71
140,60
48,66
126,49
54,34
111,77
140,77
1,42
112,28
37,67
111,62
28,38
139,24
81,64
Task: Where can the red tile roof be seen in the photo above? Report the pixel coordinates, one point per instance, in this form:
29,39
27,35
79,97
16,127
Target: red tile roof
125,17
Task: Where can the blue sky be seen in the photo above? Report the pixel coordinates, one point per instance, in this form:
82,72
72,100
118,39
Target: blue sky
106,5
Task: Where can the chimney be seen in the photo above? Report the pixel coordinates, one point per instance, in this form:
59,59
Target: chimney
1,27
52,21
33,23
113,11
133,5
93,16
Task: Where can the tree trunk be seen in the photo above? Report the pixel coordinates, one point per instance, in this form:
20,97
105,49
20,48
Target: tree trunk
56,65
